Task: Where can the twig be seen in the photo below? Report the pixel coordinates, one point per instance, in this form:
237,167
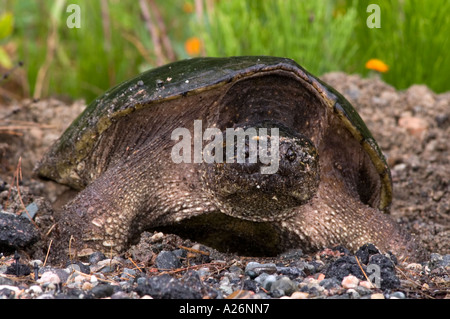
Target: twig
70,248
364,273
194,250
48,251
174,271
16,180
132,261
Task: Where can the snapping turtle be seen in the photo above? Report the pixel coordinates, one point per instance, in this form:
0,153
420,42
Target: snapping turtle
159,150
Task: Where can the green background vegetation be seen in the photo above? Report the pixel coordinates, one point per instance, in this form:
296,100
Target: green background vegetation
119,39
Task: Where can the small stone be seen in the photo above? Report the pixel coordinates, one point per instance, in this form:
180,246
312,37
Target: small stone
17,232
87,286
386,266
128,274
9,291
367,284
38,262
330,283
95,257
441,119
284,285
353,294
258,269
31,211
343,267
35,289
377,296
102,290
49,277
365,251
363,291
414,125
291,272
270,279
397,295
299,295
225,286
250,285
167,260
166,287
46,296
203,272
350,282
73,268
414,266
106,266
261,278
120,295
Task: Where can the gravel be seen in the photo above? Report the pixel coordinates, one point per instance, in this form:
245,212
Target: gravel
412,128
223,276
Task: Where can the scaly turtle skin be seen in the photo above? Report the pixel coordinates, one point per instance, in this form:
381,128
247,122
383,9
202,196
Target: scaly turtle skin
331,187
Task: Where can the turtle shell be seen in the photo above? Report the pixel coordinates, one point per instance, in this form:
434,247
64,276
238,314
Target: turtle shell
64,162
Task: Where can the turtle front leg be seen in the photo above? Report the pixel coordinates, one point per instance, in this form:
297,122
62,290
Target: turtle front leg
124,201
330,220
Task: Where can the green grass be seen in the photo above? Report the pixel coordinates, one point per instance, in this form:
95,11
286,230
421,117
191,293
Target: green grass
311,32
327,35
413,40
86,61
322,36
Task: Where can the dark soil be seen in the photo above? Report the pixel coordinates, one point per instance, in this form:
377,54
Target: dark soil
412,128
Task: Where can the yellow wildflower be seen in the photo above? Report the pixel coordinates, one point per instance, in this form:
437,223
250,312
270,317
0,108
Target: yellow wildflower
193,46
377,65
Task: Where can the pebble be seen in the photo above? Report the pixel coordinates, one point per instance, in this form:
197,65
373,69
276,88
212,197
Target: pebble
283,287
167,260
102,290
350,282
437,260
128,274
366,284
414,266
330,283
389,279
377,296
95,257
225,286
313,286
6,290
397,295
167,287
268,281
363,291
353,294
49,277
254,269
414,125
299,295
291,272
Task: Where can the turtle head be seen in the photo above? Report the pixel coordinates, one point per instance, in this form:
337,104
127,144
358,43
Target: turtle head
267,171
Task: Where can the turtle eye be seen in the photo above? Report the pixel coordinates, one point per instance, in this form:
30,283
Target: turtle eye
291,155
